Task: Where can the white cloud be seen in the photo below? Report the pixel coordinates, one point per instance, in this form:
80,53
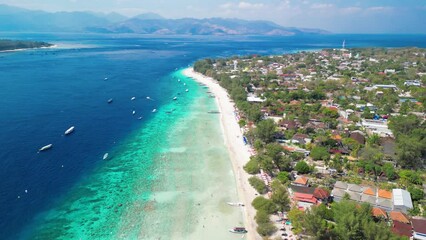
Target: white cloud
247,5
322,5
379,9
350,10
226,5
242,5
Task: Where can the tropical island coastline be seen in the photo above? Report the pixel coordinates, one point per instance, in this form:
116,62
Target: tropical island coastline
16,45
239,153
334,134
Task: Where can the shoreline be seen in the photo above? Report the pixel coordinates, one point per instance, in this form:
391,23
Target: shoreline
238,152
25,49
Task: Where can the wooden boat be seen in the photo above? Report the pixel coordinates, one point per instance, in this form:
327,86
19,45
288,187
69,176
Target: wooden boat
236,204
69,130
47,147
238,230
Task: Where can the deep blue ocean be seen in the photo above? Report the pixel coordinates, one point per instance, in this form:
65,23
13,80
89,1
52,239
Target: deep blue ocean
43,92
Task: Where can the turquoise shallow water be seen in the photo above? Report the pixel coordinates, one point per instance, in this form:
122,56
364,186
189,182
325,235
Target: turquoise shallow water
160,184
69,191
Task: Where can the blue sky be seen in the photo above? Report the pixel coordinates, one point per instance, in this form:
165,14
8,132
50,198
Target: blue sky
340,16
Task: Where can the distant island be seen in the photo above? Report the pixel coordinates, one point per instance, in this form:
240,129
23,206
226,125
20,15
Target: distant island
9,45
22,20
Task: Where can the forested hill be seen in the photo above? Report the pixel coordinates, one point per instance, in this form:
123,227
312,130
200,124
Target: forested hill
6,45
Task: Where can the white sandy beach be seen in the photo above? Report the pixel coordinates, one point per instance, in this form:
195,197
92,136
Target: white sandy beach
238,151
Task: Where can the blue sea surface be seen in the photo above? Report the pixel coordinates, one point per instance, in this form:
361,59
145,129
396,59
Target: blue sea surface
44,92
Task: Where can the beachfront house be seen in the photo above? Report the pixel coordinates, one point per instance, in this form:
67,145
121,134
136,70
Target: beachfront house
398,199
305,197
301,181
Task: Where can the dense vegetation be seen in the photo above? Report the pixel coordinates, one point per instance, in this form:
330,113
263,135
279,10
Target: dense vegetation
6,45
344,220
303,96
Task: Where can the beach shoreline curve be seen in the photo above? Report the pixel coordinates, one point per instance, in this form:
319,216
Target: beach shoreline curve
238,151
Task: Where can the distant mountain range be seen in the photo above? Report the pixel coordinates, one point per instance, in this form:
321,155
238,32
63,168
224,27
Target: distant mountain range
24,20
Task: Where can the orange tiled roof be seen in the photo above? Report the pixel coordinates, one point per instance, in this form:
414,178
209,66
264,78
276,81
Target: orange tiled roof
301,180
385,194
336,137
399,216
369,191
290,149
378,212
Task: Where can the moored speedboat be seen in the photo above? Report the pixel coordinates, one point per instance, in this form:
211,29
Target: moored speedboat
186,90
110,100
105,156
154,110
175,98
47,147
133,98
69,130
238,230
134,112
237,204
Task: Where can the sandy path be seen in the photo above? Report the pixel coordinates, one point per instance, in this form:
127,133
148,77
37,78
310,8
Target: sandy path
238,152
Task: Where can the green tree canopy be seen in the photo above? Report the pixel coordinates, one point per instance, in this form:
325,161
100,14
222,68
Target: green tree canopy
265,130
257,184
320,153
262,204
302,167
280,197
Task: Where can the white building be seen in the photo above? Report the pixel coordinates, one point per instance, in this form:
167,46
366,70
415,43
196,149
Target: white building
402,200
416,83
376,127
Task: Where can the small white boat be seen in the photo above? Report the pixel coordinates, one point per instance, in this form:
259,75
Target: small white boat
154,110
238,230
110,100
236,204
149,98
178,80
69,130
184,84
47,147
105,156
175,98
140,118
134,112
133,98
187,90
106,78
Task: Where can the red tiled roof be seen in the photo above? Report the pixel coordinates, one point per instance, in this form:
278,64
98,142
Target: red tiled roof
378,212
401,229
301,180
303,197
399,216
320,193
